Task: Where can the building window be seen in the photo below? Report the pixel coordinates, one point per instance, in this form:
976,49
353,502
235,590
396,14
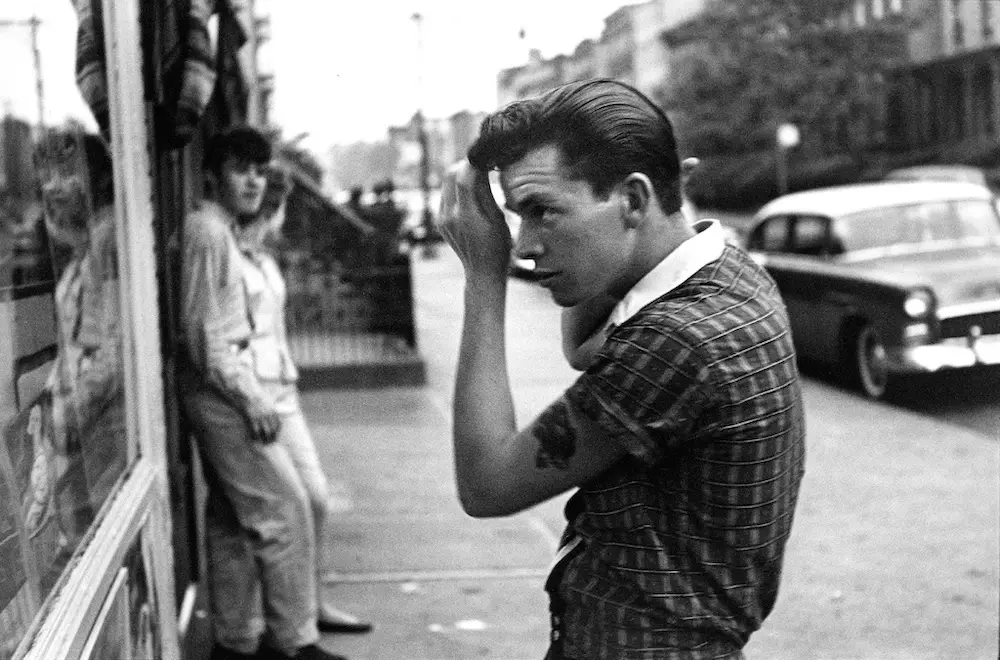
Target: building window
878,9
927,104
895,119
957,32
877,110
896,6
987,13
955,98
982,90
860,13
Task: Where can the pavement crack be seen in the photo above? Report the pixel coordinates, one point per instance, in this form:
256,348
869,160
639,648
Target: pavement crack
436,575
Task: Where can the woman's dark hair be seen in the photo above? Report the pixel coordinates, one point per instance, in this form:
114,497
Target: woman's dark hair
604,130
241,141
101,173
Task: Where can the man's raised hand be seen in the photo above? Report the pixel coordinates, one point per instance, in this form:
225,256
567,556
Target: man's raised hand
472,223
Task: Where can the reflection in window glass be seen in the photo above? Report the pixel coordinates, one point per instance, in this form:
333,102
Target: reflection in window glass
978,220
124,626
63,443
969,222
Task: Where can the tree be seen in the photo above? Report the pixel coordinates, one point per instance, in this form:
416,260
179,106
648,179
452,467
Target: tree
743,67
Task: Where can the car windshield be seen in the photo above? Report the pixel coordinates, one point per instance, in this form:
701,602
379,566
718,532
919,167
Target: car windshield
914,227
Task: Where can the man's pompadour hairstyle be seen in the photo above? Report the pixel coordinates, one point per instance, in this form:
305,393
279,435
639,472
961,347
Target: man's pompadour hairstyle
604,129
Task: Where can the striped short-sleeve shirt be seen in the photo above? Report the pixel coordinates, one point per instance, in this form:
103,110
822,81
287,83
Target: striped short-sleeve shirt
681,543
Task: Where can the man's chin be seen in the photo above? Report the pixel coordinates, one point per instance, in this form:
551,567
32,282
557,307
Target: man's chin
564,299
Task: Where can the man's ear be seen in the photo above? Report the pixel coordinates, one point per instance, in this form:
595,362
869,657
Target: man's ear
636,196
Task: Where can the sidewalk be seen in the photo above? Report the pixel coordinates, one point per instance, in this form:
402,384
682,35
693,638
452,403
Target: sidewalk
437,584
894,554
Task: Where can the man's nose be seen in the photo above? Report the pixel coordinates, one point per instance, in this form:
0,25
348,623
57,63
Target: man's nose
527,245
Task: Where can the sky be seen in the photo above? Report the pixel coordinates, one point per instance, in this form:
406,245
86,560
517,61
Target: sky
345,70
57,46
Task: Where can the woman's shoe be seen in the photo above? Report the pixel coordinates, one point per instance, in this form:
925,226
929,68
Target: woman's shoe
334,621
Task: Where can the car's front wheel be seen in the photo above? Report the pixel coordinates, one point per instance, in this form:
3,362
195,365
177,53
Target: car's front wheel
867,361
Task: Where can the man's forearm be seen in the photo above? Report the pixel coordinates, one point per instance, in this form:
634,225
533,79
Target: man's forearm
222,368
483,408
237,382
241,387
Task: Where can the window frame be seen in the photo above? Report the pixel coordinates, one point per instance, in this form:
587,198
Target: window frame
140,505
788,243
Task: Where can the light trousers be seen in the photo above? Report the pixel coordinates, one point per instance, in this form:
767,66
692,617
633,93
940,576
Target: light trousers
266,506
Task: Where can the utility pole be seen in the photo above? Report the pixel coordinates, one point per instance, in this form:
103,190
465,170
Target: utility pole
427,220
34,23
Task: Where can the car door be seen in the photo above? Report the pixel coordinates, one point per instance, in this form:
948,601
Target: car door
814,291
794,244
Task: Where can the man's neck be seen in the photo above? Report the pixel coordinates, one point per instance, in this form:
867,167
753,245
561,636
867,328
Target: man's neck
656,241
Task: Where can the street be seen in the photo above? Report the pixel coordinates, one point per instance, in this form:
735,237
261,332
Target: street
894,553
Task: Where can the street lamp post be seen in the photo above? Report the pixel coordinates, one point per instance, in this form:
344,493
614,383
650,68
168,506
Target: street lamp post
427,219
786,137
34,23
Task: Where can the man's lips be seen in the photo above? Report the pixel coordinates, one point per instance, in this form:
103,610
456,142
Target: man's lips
543,276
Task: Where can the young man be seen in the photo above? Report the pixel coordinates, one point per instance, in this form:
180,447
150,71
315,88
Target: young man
685,434
260,508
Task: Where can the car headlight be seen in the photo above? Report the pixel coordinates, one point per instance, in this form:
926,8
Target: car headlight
918,304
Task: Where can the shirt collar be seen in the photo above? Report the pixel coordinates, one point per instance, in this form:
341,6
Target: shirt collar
676,268
212,206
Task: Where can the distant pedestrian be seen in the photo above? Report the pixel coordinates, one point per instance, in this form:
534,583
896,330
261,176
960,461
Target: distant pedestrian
684,436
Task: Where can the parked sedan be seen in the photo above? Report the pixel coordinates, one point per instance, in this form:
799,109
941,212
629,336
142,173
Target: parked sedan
887,278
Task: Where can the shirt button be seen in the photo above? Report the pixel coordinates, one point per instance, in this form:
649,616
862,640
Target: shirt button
555,635
556,620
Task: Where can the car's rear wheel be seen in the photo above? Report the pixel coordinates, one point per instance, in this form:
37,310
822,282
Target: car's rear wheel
867,361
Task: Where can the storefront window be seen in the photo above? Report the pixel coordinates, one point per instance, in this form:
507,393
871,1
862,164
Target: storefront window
64,445
124,626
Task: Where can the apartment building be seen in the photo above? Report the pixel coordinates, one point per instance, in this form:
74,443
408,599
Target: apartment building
448,140
949,91
629,49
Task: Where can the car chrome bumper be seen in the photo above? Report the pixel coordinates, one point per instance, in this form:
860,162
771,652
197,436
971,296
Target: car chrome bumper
947,354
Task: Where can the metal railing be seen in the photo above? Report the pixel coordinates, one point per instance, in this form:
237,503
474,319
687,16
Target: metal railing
349,288
345,317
